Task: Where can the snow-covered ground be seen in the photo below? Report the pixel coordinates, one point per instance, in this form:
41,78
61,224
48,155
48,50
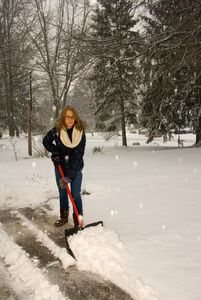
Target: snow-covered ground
148,197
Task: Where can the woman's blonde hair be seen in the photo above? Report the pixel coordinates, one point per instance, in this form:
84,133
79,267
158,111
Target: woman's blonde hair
79,123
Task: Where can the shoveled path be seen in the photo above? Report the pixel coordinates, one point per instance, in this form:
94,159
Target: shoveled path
74,284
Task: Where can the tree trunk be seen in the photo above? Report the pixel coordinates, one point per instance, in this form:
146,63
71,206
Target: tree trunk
123,124
8,97
11,125
198,132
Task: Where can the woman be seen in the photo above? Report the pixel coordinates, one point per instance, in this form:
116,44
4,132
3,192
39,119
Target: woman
66,141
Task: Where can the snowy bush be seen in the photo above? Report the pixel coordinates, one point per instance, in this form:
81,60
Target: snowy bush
96,150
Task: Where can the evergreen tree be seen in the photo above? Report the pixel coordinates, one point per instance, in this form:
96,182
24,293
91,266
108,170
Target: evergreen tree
172,68
115,47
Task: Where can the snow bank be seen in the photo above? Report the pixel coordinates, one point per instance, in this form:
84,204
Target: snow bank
99,250
23,270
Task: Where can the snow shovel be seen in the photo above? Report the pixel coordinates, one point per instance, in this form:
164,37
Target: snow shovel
71,231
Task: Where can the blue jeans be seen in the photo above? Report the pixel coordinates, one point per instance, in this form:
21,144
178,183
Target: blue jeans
75,187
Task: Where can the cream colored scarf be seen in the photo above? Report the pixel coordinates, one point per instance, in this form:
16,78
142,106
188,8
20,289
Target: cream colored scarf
76,138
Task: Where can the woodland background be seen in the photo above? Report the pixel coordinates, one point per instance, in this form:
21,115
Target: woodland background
121,63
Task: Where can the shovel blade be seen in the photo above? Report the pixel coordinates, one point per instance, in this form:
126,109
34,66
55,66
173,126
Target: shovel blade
72,231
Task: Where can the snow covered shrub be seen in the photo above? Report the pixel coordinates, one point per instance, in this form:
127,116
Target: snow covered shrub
107,135
96,150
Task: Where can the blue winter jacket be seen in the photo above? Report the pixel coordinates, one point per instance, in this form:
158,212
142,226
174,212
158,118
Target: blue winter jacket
71,158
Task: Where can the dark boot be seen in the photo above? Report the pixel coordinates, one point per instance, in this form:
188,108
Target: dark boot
63,217
76,223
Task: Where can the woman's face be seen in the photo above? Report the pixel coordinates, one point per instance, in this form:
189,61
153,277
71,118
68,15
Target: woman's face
69,119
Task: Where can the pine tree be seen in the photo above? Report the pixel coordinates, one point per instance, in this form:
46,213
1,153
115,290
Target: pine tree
115,46
173,67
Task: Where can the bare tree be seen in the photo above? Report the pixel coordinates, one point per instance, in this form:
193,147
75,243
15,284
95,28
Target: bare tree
81,96
13,58
57,37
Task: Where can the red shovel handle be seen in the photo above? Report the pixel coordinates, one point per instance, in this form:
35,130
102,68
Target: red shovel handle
71,198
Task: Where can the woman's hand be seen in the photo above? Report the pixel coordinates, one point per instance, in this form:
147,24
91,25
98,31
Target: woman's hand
63,182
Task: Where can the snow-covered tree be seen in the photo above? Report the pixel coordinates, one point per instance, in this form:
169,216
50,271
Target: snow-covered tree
172,67
115,46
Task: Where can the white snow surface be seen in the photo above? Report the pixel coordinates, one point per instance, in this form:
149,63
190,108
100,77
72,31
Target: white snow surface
148,197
